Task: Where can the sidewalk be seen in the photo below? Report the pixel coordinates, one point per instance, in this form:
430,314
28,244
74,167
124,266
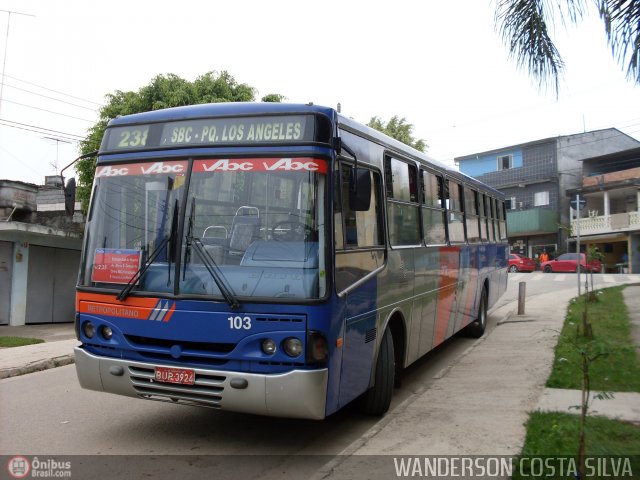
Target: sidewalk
479,406
60,338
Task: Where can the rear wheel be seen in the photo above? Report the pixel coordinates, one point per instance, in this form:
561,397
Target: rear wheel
513,268
377,399
477,328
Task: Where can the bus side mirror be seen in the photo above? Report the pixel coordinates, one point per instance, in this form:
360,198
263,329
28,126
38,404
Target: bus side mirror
360,190
70,197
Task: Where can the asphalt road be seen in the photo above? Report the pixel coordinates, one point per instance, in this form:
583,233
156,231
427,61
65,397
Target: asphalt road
47,413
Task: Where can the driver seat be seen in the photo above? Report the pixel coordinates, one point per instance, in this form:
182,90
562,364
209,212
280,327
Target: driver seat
244,230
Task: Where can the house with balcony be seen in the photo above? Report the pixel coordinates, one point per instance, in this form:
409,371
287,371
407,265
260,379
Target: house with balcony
535,177
610,219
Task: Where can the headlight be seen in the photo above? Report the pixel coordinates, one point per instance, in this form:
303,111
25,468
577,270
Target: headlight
292,346
107,333
269,346
88,329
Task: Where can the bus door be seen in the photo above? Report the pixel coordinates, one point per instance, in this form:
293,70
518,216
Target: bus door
360,253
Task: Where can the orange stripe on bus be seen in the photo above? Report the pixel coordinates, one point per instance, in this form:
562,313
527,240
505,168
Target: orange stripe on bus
449,260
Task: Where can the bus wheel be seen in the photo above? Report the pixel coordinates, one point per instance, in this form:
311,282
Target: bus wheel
377,399
476,329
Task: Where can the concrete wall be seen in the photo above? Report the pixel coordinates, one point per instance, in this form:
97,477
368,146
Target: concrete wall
489,162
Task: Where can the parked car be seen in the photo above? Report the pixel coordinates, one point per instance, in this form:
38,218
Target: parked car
520,263
568,262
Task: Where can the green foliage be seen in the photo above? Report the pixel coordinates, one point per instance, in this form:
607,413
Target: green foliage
594,253
526,27
616,367
399,129
274,97
164,91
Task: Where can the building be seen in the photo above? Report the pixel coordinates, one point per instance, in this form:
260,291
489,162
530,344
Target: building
39,253
535,177
610,219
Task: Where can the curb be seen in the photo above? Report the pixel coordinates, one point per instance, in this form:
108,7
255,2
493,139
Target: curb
38,366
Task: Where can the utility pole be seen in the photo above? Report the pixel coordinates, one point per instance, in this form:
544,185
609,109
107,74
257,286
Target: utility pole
6,46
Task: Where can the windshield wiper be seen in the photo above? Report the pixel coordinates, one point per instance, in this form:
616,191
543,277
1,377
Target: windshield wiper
214,271
124,293
168,239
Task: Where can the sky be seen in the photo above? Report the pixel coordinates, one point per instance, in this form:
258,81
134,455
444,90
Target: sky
441,65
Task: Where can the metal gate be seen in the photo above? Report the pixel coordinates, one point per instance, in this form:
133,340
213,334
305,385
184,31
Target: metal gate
51,284
6,264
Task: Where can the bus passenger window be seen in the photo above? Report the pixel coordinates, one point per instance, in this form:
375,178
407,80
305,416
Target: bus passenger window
471,213
455,215
402,202
433,218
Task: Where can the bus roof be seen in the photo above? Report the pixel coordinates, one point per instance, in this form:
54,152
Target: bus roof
230,109
221,110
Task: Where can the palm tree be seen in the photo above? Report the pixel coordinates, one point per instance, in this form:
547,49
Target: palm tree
524,26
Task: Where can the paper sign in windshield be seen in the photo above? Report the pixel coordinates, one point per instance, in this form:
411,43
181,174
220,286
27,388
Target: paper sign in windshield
115,265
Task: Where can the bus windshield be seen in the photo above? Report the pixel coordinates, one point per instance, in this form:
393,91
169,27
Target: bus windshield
253,228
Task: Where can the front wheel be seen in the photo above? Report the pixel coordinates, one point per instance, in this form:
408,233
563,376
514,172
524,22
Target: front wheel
548,269
513,268
377,399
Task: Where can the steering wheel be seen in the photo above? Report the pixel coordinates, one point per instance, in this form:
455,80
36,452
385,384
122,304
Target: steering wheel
297,231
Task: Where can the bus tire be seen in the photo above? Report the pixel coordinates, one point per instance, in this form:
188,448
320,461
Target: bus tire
377,399
478,326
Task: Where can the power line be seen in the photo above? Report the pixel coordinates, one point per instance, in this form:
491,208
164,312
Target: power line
50,98
43,128
49,111
74,140
52,90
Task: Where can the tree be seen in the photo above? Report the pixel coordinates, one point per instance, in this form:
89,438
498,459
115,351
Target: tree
163,91
399,129
524,26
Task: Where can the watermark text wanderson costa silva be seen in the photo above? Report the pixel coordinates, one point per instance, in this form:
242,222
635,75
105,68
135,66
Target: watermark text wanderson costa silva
487,466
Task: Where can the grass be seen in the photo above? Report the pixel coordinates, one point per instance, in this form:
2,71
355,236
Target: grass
618,369
557,434
18,341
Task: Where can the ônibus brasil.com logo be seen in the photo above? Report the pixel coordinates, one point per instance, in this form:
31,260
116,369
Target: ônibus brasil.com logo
19,467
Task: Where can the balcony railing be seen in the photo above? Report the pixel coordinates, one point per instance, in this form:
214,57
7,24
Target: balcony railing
617,222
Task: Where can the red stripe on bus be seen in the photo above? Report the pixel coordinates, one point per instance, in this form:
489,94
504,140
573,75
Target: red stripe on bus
449,270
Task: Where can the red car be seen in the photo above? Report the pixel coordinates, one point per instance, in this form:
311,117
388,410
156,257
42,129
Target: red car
520,263
568,262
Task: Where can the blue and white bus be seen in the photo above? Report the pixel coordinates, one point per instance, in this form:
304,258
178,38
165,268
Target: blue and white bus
276,259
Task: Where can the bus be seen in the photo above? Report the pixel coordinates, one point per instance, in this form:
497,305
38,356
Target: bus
276,259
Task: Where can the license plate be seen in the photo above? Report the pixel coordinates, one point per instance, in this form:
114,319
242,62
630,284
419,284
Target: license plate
182,376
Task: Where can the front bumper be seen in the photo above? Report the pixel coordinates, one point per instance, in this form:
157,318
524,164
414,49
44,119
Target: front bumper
295,394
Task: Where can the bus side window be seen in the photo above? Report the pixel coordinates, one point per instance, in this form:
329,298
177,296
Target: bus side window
402,202
455,215
471,213
433,216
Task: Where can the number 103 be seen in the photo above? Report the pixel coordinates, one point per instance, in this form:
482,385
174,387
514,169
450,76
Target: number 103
239,323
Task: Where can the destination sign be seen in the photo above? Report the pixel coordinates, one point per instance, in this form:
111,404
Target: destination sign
212,132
